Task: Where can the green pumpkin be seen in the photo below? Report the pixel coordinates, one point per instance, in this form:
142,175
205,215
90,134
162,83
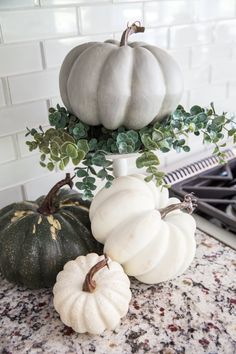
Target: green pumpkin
38,238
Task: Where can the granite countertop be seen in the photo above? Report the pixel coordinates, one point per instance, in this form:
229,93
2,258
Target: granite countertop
195,313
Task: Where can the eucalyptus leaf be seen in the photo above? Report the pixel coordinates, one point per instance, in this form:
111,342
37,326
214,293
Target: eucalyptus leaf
80,185
83,145
43,157
69,139
148,178
147,159
195,110
71,151
110,177
102,173
108,184
89,179
50,166
81,172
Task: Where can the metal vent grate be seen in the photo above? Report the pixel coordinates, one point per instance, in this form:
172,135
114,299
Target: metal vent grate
197,167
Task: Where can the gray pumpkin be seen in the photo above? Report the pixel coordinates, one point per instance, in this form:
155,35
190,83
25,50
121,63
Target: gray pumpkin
119,84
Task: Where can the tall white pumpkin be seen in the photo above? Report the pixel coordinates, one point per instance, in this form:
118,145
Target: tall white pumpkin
130,220
119,84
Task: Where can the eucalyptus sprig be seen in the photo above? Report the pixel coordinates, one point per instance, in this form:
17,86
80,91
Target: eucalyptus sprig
86,147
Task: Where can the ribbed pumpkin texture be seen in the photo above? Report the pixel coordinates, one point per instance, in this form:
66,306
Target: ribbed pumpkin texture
34,246
119,84
91,310
129,219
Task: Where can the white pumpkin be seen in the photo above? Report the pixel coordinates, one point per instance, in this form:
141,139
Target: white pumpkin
119,84
130,220
89,297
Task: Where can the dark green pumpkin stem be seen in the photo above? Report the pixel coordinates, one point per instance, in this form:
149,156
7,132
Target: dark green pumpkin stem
89,283
134,28
189,204
47,207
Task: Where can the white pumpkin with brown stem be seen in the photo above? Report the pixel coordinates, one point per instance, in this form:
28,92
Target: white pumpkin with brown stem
91,297
119,84
143,229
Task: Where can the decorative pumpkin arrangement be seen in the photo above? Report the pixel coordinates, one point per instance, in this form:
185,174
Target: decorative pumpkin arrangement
89,297
38,238
121,99
119,83
143,229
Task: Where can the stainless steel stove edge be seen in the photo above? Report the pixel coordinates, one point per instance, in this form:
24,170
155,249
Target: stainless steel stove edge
202,165
220,234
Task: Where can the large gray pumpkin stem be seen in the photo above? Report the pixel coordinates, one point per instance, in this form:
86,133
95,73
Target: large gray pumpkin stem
189,204
89,284
134,28
47,207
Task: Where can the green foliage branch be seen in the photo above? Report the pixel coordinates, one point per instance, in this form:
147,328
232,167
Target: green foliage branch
88,147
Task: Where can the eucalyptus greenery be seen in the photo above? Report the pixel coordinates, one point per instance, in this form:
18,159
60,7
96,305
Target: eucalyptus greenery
87,147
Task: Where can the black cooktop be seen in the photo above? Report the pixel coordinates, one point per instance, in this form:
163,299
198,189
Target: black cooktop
215,190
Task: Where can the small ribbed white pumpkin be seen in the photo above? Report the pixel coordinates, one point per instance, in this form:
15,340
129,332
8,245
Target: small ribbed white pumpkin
127,220
119,84
94,311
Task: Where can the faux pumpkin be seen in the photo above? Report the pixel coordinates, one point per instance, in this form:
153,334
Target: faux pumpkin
143,229
119,84
38,238
91,297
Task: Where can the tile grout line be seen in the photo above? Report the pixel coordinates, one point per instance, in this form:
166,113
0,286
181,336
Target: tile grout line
43,57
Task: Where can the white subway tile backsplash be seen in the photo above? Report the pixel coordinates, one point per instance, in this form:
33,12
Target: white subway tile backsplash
20,171
233,48
130,1
156,36
20,58
196,77
182,56
10,195
166,13
185,99
226,105
21,139
2,98
206,94
37,24
22,147
34,86
7,151
108,18
190,35
227,72
56,100
68,2
225,31
216,9
214,53
232,90
12,4
17,118
195,143
56,50
41,186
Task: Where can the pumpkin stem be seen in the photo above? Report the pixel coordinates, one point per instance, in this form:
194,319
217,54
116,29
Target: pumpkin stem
189,204
89,283
134,28
47,207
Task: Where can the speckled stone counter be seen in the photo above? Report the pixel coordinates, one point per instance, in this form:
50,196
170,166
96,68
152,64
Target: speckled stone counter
195,313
